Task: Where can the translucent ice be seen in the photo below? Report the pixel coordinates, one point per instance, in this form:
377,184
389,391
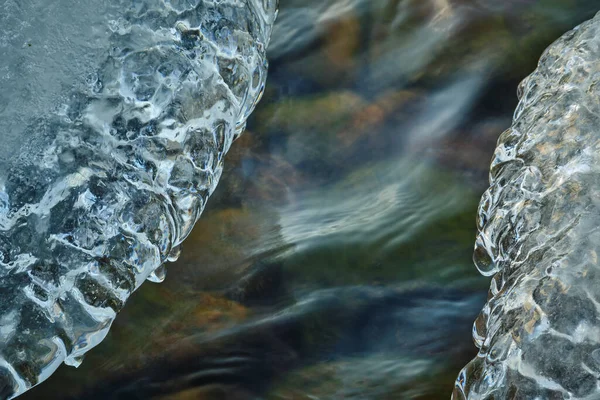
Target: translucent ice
114,119
539,236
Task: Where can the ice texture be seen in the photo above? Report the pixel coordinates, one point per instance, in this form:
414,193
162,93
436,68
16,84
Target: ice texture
539,236
115,117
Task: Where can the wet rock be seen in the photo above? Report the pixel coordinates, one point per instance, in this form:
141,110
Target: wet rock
368,122
320,41
335,63
315,113
217,251
215,313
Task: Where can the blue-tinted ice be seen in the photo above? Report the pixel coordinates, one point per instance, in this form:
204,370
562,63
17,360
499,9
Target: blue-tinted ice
115,117
539,236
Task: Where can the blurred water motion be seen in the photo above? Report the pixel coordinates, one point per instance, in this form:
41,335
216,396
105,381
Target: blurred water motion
373,212
345,215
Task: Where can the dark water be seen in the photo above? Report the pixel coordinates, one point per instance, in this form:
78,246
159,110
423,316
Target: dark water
334,260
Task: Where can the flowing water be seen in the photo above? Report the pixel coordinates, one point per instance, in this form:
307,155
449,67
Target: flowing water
334,258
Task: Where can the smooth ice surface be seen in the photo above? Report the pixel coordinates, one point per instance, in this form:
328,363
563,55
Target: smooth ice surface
47,49
539,236
115,117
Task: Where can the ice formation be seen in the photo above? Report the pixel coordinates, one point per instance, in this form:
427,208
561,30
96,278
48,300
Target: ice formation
539,236
115,117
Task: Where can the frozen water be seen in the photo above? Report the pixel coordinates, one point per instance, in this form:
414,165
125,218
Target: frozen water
539,333
47,50
115,117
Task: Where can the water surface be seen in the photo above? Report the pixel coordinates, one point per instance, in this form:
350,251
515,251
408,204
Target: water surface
334,260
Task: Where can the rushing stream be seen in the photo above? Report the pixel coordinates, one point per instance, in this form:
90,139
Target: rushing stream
334,258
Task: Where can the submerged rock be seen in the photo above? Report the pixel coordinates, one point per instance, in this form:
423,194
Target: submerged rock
539,333
338,334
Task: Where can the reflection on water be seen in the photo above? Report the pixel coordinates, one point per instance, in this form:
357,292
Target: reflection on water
334,261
